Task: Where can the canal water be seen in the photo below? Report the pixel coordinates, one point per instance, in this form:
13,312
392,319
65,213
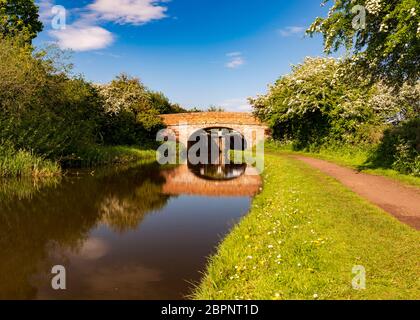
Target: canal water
139,232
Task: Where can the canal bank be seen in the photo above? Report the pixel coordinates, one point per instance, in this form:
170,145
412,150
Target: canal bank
25,164
305,236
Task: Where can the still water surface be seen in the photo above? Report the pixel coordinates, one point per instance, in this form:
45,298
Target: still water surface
141,232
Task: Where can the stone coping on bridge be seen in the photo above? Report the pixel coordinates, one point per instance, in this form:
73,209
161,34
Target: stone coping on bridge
211,118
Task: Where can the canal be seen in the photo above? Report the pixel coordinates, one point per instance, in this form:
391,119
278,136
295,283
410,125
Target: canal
135,232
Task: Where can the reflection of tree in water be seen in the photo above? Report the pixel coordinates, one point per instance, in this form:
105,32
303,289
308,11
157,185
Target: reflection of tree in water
64,215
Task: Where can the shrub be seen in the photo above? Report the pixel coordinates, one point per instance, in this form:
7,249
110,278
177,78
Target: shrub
64,118
41,108
131,111
314,105
399,148
317,107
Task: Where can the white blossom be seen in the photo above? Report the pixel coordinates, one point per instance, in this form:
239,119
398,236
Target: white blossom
374,6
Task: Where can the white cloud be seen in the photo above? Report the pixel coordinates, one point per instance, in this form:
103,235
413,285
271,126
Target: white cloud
85,33
234,54
107,54
45,10
290,31
82,37
236,60
129,11
236,105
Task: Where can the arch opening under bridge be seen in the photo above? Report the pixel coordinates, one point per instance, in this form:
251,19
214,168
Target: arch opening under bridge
185,125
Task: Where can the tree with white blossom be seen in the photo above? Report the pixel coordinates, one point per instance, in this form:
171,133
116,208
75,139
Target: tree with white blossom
386,47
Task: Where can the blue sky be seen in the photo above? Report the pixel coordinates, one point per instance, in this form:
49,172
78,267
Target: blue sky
198,52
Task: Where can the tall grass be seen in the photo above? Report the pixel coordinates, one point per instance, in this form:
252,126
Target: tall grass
103,155
21,163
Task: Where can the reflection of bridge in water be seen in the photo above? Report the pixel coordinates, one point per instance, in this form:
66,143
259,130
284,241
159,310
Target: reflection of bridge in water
221,181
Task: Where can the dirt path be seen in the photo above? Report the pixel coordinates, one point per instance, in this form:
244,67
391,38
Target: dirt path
393,197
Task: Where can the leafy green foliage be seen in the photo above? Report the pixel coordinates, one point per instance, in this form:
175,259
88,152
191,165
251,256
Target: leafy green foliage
162,105
313,105
21,163
19,17
387,48
195,110
50,114
215,109
400,148
42,109
317,105
132,112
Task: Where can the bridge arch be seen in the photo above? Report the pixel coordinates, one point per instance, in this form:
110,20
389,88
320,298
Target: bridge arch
216,143
184,125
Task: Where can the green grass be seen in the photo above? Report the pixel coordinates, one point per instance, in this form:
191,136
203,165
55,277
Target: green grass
20,163
352,157
302,238
103,155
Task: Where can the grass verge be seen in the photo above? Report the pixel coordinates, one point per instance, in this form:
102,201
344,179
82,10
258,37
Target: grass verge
351,157
103,155
19,163
24,164
302,238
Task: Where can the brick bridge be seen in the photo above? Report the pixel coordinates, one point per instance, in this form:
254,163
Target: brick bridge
184,125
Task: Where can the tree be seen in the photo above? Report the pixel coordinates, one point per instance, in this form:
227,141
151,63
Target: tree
19,17
194,110
215,109
125,93
386,46
132,116
315,105
162,104
43,109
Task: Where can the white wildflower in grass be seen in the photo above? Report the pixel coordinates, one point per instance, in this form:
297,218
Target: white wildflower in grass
315,296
